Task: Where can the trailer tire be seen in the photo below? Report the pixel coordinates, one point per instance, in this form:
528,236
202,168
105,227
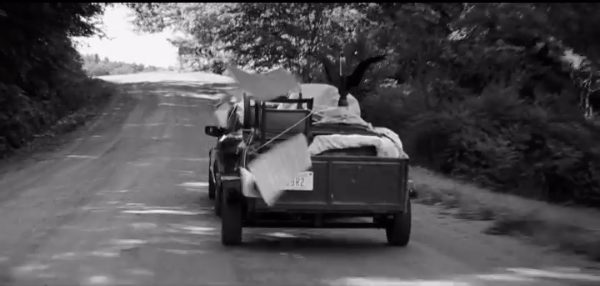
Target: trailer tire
399,226
231,220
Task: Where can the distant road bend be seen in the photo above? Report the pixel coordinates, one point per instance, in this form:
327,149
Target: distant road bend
125,203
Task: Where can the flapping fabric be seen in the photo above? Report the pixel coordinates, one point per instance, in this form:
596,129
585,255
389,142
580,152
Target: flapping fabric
266,86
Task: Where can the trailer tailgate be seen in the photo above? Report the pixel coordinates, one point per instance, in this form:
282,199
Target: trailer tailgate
347,183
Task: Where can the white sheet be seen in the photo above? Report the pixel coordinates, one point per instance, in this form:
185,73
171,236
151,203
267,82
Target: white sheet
326,98
262,86
392,136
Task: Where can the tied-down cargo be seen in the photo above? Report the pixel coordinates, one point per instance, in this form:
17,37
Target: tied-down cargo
357,176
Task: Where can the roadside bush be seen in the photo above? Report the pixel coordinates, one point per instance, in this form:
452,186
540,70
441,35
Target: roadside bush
217,66
497,140
214,65
93,66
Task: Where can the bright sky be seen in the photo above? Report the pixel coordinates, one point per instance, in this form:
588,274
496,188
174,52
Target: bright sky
124,45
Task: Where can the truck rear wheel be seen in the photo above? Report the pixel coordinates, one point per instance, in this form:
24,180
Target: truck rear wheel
398,227
231,220
211,186
218,199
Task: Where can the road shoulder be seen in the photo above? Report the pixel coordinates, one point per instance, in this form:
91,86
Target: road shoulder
571,229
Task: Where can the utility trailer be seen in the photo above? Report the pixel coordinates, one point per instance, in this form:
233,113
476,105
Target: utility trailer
345,183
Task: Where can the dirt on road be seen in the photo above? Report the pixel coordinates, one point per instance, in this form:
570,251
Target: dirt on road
125,203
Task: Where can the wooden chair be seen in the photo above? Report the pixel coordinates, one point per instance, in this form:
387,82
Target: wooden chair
274,123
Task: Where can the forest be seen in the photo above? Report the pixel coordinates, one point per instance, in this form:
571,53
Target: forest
499,94
94,66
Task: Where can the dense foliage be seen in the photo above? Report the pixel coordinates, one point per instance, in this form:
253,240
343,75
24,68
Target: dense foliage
478,90
41,76
94,66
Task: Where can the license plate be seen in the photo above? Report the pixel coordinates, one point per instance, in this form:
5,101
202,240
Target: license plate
303,182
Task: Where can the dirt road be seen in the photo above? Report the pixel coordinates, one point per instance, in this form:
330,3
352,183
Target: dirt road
125,203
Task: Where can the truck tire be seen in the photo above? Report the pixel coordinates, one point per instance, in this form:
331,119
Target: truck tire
398,227
231,220
211,186
218,204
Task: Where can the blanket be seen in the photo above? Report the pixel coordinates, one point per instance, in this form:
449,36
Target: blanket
387,144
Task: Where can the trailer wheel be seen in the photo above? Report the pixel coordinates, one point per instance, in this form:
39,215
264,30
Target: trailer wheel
231,220
398,228
211,186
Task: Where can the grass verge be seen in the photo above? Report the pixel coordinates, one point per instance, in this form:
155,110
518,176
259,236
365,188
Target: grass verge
571,229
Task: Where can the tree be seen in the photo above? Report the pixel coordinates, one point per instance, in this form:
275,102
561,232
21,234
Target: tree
292,35
259,35
41,73
199,22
